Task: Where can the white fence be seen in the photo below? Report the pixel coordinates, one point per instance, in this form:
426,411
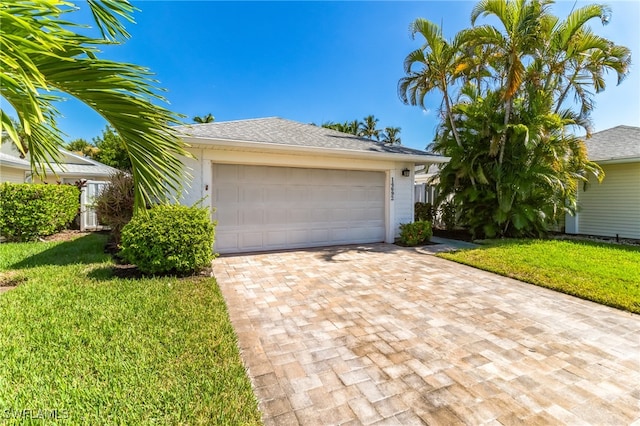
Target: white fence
88,217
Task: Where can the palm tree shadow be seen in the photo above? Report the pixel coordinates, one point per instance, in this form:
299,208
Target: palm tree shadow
84,250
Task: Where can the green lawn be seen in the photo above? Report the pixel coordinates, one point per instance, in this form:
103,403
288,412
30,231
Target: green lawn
79,344
604,273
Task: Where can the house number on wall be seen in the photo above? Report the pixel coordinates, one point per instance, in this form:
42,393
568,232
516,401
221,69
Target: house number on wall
391,188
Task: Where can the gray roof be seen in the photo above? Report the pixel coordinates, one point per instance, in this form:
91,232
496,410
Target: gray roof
617,143
275,130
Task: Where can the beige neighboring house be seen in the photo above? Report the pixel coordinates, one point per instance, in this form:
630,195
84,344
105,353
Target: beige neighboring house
611,208
72,168
278,184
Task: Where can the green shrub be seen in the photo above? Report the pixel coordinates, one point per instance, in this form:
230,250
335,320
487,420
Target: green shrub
29,211
412,234
114,204
169,239
423,211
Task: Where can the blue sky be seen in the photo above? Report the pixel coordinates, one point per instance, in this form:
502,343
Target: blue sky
314,61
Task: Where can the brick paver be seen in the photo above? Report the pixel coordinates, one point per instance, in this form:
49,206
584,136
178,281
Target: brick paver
380,334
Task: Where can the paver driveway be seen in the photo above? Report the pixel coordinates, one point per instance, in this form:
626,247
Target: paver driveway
390,335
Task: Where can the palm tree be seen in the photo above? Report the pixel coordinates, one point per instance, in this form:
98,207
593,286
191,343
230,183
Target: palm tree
521,37
509,89
204,119
41,54
390,136
353,127
439,65
368,128
576,57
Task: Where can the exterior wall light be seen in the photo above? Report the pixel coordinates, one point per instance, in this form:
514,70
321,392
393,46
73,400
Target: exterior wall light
406,172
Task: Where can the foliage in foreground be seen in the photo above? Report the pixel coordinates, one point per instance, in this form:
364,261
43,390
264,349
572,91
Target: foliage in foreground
29,211
604,273
412,234
513,91
102,350
45,56
169,239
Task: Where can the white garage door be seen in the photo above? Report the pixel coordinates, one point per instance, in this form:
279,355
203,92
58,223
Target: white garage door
270,208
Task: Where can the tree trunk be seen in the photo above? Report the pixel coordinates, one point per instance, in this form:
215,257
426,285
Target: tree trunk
450,116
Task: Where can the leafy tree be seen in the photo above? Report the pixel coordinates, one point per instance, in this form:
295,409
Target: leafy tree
204,119
111,150
515,165
77,145
83,147
390,135
368,128
43,53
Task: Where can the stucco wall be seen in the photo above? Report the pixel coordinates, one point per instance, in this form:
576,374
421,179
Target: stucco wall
613,206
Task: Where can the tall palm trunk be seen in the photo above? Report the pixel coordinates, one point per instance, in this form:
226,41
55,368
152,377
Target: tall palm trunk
447,103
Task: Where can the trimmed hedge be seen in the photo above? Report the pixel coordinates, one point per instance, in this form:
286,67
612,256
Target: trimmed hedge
169,239
29,211
412,234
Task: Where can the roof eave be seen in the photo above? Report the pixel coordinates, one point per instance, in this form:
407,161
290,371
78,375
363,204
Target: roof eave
296,149
15,165
634,159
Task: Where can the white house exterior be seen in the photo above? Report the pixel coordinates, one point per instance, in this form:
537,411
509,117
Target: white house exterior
277,184
611,208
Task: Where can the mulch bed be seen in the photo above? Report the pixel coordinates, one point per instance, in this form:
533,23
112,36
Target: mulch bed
455,234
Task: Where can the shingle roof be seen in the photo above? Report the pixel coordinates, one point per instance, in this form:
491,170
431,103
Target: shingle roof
275,130
617,143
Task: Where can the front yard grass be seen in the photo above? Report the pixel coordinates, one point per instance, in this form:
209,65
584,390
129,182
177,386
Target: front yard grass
80,345
604,273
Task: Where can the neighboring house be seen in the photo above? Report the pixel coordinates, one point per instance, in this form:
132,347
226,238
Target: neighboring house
278,184
72,168
611,208
426,184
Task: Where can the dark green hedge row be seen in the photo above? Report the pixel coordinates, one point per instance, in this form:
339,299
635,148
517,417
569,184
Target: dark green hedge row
29,211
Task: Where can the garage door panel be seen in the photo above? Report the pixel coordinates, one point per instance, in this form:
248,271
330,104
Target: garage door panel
276,239
228,240
276,216
227,216
251,240
268,208
298,215
228,173
251,217
297,237
251,194
320,235
321,215
226,194
296,194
